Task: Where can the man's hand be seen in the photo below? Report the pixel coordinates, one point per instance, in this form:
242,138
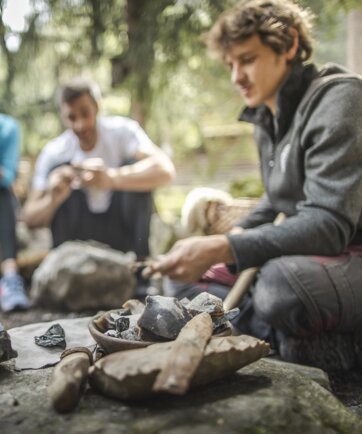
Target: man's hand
236,230
60,184
93,173
190,258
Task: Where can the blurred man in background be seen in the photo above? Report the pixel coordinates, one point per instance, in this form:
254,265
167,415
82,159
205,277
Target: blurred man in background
95,180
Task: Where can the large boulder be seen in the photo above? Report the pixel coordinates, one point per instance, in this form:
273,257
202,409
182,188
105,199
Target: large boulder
80,276
264,397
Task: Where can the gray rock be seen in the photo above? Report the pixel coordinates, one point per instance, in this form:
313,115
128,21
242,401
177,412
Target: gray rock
6,351
81,275
6,399
163,316
263,398
315,374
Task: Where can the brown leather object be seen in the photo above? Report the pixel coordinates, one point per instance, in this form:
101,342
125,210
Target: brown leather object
131,374
68,379
185,356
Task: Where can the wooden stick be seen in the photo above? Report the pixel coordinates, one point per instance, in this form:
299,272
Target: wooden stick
68,379
245,279
185,356
240,287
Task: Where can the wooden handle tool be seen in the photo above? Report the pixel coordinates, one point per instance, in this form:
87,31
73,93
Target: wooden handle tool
69,377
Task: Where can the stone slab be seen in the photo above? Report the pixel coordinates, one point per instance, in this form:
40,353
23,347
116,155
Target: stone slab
263,398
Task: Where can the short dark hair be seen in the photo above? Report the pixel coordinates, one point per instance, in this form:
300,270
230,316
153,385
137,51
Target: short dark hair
76,88
270,19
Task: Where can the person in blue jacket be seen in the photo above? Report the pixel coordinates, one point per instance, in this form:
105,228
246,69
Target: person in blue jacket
12,293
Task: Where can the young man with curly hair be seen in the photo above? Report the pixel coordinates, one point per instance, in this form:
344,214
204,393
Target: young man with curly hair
308,131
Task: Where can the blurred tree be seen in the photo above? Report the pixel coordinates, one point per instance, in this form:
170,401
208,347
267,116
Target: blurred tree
13,58
136,61
149,51
159,35
134,35
329,14
354,39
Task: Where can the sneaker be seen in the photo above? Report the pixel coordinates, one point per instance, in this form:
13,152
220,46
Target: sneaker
13,295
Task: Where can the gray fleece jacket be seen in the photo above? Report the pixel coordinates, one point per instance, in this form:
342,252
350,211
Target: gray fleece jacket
311,165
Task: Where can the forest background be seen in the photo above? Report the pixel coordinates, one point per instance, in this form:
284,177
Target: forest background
151,65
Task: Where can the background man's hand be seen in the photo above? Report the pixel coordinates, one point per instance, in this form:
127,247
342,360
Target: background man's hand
60,183
188,259
93,173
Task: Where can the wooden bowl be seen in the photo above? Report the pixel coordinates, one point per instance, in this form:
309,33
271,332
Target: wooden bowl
111,344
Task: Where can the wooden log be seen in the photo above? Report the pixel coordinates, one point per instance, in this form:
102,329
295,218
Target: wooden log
185,356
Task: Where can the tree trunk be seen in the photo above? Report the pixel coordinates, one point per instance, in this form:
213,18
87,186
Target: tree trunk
354,40
137,63
141,37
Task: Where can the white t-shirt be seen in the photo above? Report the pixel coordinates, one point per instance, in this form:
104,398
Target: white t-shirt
119,139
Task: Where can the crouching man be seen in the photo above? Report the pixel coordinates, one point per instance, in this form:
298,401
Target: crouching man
95,180
309,135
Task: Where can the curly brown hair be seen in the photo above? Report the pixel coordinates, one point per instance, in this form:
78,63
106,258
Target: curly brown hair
270,19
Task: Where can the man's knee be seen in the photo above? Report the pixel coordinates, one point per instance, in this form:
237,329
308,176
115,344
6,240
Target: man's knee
274,299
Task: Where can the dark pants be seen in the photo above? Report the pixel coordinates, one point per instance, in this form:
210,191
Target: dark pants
125,226
7,225
297,296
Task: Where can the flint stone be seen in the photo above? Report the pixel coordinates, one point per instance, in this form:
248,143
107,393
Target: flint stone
78,276
130,334
163,316
122,324
205,302
260,398
6,351
53,337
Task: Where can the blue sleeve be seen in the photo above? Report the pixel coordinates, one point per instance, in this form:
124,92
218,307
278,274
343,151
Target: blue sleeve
9,149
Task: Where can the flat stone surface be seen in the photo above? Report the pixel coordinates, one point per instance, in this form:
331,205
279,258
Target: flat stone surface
261,398
315,374
32,356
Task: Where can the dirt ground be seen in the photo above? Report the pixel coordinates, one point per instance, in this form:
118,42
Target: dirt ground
347,387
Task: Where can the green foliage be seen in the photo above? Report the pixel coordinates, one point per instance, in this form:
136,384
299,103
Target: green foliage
165,76
169,202
250,186
72,37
